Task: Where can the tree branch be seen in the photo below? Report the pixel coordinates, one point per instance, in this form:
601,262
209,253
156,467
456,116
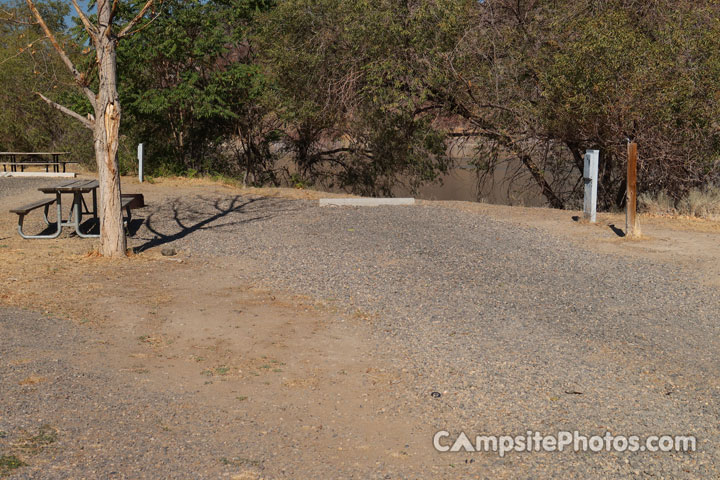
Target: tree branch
113,9
537,174
22,50
135,20
79,77
89,124
9,14
144,25
89,28
337,150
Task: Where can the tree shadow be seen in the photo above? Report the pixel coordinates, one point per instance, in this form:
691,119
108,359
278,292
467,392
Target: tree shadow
619,232
134,225
196,209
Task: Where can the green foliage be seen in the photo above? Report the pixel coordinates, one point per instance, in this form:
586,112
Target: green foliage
365,95
29,65
538,83
188,81
611,76
8,463
349,86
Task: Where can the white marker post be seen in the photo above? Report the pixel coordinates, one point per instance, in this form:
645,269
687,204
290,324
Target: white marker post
140,162
590,177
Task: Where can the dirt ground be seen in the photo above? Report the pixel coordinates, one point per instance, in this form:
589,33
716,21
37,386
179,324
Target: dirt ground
293,369
692,243
291,364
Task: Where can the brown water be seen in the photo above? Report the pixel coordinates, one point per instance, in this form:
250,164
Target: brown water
462,184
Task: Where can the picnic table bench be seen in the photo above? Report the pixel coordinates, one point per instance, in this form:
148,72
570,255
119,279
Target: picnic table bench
78,207
13,165
55,161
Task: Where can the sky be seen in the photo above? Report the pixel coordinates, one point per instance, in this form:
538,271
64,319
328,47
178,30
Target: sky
69,19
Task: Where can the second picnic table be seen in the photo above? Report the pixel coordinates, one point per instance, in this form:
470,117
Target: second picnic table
13,163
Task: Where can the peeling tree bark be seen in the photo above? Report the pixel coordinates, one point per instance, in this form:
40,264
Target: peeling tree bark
106,133
106,124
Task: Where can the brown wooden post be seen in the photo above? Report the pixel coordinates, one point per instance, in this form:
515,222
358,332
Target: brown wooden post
632,228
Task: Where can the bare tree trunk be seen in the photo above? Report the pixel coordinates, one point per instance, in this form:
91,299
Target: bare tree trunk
106,124
106,132
537,174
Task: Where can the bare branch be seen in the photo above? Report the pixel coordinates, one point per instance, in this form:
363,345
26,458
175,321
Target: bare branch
89,28
85,121
22,50
79,77
144,25
113,9
135,20
10,16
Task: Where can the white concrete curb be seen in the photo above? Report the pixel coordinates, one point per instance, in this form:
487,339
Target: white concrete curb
365,202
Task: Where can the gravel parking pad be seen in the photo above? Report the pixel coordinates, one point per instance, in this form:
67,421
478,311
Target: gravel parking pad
517,328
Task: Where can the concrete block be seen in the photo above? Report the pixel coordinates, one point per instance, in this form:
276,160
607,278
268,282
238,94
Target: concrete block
365,202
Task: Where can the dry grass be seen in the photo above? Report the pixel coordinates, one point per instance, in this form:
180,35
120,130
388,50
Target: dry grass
700,203
660,204
32,380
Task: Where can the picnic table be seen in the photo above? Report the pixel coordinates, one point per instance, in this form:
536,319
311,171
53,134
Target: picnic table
78,207
77,188
13,163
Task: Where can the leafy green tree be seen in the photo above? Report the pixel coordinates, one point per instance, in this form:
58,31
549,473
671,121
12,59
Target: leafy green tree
27,65
540,82
645,74
190,85
349,86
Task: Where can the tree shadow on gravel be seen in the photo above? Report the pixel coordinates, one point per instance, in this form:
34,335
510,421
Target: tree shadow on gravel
617,231
205,212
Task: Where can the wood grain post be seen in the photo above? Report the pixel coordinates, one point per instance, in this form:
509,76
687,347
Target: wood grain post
632,228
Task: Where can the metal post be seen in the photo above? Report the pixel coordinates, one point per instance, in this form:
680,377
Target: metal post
632,228
590,177
140,162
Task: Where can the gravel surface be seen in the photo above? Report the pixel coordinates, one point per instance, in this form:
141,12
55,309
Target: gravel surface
13,186
518,329
117,435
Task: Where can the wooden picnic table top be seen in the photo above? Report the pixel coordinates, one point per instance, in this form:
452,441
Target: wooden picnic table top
34,153
38,163
73,186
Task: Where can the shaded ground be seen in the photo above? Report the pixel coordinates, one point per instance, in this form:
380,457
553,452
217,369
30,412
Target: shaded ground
521,318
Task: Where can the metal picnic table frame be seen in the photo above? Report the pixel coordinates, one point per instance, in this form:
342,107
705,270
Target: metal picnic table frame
77,188
14,164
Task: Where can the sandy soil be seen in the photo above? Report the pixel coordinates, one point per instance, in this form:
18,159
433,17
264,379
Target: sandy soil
296,367
692,243
293,365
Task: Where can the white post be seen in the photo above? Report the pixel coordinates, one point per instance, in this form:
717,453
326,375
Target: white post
590,176
140,162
